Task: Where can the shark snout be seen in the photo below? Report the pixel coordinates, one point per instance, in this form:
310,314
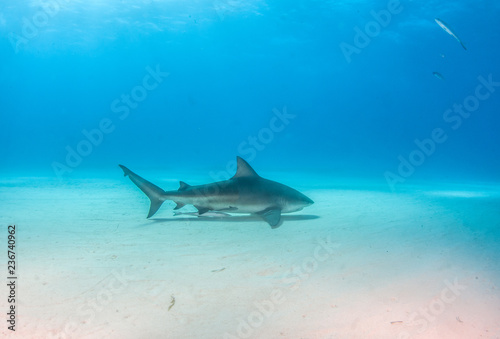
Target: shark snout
308,201
304,201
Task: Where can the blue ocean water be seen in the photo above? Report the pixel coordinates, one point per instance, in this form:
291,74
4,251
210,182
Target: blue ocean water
357,101
385,113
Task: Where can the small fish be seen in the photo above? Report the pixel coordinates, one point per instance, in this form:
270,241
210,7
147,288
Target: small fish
449,31
438,75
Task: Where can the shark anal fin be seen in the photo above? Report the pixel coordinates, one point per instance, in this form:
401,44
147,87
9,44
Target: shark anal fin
202,210
179,205
183,186
272,216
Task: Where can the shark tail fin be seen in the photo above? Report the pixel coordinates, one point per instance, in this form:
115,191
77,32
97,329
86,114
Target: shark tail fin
154,193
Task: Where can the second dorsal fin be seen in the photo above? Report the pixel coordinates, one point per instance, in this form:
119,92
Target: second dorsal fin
183,186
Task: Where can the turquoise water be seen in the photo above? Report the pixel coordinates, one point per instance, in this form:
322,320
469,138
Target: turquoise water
356,102
384,116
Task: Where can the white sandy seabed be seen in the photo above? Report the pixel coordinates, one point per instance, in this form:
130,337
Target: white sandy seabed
359,263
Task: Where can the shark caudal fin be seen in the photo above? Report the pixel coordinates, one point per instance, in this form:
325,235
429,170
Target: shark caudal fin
153,192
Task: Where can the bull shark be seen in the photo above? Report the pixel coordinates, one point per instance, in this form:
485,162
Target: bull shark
245,192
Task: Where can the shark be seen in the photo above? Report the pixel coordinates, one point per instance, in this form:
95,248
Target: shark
245,192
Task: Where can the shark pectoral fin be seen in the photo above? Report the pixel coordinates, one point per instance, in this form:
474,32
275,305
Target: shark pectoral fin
272,216
179,205
202,210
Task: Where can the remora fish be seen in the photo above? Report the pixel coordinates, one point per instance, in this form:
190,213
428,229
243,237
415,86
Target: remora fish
449,31
245,192
207,214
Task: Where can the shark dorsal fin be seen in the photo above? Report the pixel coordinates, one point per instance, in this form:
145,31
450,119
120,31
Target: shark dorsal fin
243,169
183,186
